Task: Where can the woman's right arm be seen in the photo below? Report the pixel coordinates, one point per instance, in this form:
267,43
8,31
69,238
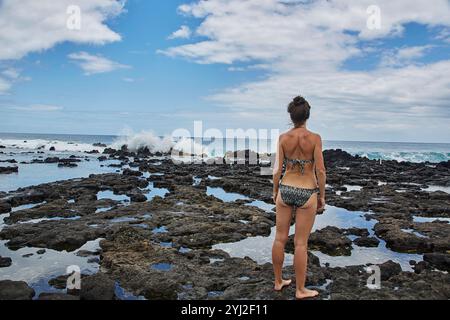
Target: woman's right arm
320,172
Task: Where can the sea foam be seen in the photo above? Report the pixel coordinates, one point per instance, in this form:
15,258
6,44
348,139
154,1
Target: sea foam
42,144
154,143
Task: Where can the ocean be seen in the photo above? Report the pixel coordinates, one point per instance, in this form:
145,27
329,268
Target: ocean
400,151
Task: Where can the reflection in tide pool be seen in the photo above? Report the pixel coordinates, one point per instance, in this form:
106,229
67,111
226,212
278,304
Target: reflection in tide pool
260,248
437,188
123,294
38,173
428,219
37,269
153,192
108,194
225,196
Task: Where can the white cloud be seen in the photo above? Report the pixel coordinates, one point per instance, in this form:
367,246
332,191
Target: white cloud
403,56
39,108
8,77
444,35
32,26
303,46
5,85
94,64
183,33
11,73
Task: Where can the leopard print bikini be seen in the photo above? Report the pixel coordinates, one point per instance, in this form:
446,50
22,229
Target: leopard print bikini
295,196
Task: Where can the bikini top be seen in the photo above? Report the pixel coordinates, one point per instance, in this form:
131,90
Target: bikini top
301,162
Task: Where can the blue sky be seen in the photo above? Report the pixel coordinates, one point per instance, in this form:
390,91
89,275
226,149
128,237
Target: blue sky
237,66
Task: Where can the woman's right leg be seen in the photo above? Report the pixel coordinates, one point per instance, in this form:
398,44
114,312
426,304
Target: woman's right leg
283,224
304,221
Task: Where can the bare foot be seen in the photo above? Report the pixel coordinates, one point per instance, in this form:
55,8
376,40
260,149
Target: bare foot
280,286
306,293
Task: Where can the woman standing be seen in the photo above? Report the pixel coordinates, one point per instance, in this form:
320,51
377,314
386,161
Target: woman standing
301,189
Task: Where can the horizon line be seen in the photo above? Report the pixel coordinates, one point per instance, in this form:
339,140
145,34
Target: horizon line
159,135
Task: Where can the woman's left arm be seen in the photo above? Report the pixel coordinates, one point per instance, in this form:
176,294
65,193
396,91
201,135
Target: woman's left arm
277,169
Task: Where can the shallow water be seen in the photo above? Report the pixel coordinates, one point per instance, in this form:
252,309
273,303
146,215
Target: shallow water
37,269
159,230
259,248
349,188
34,221
110,195
38,173
437,188
412,231
428,219
162,266
123,294
122,219
225,196
153,192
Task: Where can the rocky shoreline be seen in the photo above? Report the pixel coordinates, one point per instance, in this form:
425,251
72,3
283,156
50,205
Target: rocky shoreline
158,226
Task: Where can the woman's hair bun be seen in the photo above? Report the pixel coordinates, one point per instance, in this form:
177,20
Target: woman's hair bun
299,100
299,109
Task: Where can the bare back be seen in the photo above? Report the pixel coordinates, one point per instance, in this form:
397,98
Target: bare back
301,144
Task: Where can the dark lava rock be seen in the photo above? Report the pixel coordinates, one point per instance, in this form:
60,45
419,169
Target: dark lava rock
60,282
97,287
330,240
41,251
87,253
247,157
129,172
51,160
130,258
52,149
8,170
5,262
428,237
389,269
109,151
67,165
27,255
421,266
92,152
102,158
57,296
94,260
100,145
366,242
15,290
438,260
361,232
137,197
5,207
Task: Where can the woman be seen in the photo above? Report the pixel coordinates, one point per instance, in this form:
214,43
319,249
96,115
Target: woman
301,189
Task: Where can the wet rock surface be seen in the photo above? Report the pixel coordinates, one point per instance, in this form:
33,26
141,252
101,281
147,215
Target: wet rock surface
150,236
8,170
15,290
366,241
56,296
5,262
